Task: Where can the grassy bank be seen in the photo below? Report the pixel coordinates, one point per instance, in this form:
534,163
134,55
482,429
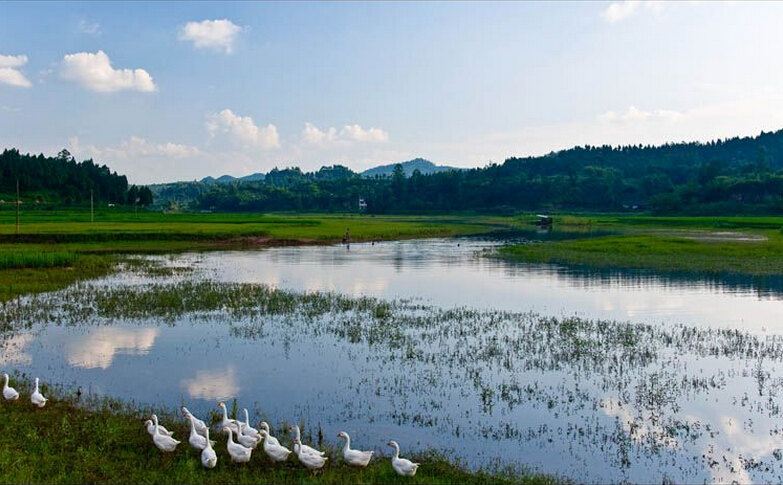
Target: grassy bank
56,248
106,443
752,246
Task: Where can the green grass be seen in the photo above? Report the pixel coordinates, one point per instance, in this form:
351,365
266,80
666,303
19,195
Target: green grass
36,259
105,442
739,245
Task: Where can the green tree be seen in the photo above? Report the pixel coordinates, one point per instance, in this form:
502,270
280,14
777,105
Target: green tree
145,196
133,195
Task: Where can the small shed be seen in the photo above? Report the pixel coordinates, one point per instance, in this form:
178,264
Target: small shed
544,220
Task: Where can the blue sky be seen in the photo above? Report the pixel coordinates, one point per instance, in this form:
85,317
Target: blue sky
177,91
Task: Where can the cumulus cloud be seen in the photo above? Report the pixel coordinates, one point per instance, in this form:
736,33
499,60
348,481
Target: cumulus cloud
217,35
243,129
313,135
617,11
135,147
357,133
10,73
635,115
95,72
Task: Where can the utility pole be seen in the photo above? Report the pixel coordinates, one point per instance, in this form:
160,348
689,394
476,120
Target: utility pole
18,203
92,208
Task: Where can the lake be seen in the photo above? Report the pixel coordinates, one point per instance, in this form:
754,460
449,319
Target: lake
589,374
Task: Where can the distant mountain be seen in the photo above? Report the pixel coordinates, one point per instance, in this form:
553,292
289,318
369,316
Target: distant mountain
424,166
226,179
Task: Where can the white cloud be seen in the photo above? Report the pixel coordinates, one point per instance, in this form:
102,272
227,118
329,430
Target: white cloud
133,148
313,135
243,129
357,133
635,115
217,35
10,73
95,72
87,27
617,11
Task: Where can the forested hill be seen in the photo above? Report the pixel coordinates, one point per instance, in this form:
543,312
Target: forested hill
425,167
61,180
738,175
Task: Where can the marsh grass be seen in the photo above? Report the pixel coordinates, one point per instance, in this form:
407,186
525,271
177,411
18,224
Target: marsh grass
665,244
36,259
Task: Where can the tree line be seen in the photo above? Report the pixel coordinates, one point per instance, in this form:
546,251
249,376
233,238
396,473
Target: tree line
736,175
61,180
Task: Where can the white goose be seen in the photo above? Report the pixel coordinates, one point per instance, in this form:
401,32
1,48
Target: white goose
196,440
265,427
239,454
163,442
246,440
354,457
150,426
208,456
226,422
9,393
402,466
275,451
312,461
298,443
201,426
36,397
249,430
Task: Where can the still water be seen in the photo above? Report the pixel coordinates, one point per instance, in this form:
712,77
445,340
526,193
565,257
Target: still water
495,385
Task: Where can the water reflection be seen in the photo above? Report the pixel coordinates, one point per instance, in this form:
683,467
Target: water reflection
452,273
13,349
97,347
212,384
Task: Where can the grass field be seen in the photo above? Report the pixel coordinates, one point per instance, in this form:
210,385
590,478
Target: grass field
740,245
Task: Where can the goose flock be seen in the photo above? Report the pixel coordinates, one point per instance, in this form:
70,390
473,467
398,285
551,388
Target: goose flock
247,439
242,439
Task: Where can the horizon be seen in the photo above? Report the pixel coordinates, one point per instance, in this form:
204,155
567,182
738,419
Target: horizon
177,92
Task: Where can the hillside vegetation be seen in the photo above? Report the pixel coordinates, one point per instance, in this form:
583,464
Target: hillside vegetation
738,175
61,180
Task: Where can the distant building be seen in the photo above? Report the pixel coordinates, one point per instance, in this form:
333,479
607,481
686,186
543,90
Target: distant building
362,205
544,220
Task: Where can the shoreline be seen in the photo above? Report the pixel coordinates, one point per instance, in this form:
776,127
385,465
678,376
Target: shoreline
102,440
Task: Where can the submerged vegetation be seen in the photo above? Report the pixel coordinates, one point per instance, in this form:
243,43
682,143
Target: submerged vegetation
615,388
